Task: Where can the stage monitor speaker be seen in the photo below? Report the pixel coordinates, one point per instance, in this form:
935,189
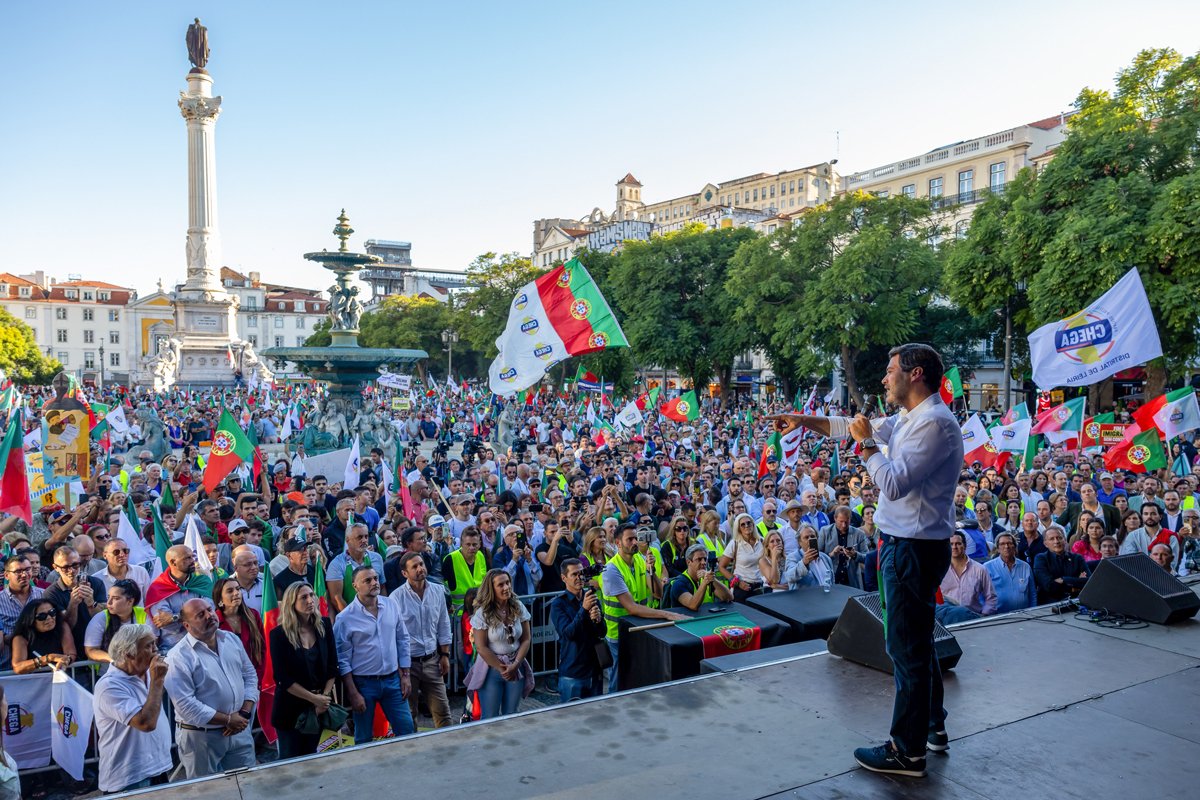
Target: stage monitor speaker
1137,586
858,636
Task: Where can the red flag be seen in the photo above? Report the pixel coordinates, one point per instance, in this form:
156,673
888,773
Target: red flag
266,696
230,447
14,485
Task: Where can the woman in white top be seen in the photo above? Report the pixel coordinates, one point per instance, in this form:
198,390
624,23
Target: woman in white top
743,553
501,634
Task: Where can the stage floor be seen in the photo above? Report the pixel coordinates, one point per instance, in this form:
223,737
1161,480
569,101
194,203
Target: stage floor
1041,706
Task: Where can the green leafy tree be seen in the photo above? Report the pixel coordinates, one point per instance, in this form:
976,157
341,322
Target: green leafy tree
492,283
677,308
1121,191
848,275
320,337
20,358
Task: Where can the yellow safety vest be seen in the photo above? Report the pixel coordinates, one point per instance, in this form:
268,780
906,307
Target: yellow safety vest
708,593
465,578
638,583
712,545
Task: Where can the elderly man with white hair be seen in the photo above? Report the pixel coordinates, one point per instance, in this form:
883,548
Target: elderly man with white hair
133,738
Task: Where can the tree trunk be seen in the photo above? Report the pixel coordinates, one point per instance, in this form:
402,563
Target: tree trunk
1096,394
1156,381
421,372
850,375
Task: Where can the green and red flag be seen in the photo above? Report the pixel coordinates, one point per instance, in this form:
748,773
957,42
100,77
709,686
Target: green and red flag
648,400
682,409
162,539
230,447
257,468
1090,435
1067,417
723,634
1144,416
14,484
1139,451
270,619
320,589
1179,413
604,433
561,314
951,388
772,446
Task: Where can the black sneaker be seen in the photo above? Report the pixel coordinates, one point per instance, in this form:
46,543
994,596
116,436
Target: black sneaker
938,741
885,759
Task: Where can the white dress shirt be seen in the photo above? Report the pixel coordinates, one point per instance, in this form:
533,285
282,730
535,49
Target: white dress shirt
919,474
371,644
200,682
426,618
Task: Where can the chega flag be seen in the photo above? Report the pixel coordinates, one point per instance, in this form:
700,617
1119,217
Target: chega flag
1011,438
558,315
1179,416
71,723
353,467
977,444
630,416
1114,333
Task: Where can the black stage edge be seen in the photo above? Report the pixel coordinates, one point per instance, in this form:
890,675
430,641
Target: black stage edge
1041,706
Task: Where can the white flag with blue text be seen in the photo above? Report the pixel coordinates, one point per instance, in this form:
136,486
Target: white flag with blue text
1114,333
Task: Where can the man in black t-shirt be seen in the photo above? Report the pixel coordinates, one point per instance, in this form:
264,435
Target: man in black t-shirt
558,546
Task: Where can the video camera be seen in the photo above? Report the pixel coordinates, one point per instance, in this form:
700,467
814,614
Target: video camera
520,445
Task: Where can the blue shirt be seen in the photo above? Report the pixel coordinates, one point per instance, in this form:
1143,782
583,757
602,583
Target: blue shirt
1015,588
371,644
1107,497
577,637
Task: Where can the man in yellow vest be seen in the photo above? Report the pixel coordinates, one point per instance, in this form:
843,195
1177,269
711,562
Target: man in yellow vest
628,586
463,569
697,586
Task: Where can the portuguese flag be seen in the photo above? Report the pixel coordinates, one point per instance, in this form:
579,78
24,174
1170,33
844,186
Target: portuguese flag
773,446
682,409
951,388
1067,417
14,485
1090,435
270,619
723,634
560,314
1139,451
648,400
230,447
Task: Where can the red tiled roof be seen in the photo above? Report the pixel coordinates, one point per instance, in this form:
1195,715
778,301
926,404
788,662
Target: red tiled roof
8,277
575,233
90,285
630,179
1049,123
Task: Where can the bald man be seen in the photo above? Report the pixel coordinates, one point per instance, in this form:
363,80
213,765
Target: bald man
174,587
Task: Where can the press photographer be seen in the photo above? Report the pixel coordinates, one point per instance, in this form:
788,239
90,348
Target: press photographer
579,623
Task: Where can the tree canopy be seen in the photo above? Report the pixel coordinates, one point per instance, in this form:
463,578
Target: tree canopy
20,357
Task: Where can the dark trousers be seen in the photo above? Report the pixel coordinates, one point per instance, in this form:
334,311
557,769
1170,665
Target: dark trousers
910,572
293,743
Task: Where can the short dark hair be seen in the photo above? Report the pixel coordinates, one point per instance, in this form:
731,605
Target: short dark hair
407,557
407,535
913,355
566,565
367,566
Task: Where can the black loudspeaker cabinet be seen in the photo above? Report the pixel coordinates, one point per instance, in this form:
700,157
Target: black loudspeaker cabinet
858,636
1135,585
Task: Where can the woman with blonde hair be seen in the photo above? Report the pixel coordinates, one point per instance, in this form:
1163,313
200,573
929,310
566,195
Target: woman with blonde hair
501,635
772,562
304,659
741,557
710,535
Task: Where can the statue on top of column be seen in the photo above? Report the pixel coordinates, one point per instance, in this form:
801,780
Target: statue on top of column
197,44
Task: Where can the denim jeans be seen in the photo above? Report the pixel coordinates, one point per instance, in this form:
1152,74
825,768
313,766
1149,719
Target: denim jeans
612,671
387,693
498,696
578,688
910,571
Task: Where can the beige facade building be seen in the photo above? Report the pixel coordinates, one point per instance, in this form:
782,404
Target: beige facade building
745,201
959,176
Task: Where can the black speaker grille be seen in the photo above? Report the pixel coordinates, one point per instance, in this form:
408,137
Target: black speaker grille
1150,573
872,603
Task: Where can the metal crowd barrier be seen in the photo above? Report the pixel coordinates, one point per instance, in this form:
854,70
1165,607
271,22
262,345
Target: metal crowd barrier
543,646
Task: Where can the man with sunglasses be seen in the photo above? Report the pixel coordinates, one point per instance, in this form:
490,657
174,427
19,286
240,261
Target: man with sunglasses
74,594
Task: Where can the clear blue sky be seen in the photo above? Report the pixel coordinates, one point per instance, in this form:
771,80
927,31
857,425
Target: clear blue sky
454,125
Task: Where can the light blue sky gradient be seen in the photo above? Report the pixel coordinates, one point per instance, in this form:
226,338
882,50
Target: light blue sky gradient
454,125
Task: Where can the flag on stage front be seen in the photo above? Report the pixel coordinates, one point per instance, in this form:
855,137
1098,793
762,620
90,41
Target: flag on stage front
1114,333
560,314
723,634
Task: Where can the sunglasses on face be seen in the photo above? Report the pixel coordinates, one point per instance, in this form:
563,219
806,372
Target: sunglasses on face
42,616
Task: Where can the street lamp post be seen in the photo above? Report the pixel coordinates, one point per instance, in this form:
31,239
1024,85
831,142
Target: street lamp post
101,386
449,337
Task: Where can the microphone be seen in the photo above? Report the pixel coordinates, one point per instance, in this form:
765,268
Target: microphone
870,403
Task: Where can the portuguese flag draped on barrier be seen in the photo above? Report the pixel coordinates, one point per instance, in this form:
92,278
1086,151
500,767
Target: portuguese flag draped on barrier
559,315
723,634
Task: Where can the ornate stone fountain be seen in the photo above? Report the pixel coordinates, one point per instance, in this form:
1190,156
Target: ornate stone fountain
343,365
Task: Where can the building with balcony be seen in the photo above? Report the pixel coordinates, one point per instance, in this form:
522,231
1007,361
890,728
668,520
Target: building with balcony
745,201
397,275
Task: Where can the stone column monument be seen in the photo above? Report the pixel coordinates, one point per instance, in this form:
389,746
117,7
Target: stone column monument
205,314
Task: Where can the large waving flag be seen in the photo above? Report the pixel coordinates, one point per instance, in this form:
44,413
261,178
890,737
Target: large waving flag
1114,333
14,482
1067,417
560,314
1179,415
1139,451
230,447
977,445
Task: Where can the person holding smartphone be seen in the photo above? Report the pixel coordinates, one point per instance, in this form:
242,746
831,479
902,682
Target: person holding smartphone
808,566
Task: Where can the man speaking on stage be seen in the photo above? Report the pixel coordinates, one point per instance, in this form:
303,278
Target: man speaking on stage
915,517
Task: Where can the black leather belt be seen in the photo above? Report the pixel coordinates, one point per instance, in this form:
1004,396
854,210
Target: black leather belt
376,677
427,656
187,727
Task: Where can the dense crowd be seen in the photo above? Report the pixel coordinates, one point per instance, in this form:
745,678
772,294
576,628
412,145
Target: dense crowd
407,588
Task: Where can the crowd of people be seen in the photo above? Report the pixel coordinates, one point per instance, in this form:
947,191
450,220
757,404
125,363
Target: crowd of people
399,594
